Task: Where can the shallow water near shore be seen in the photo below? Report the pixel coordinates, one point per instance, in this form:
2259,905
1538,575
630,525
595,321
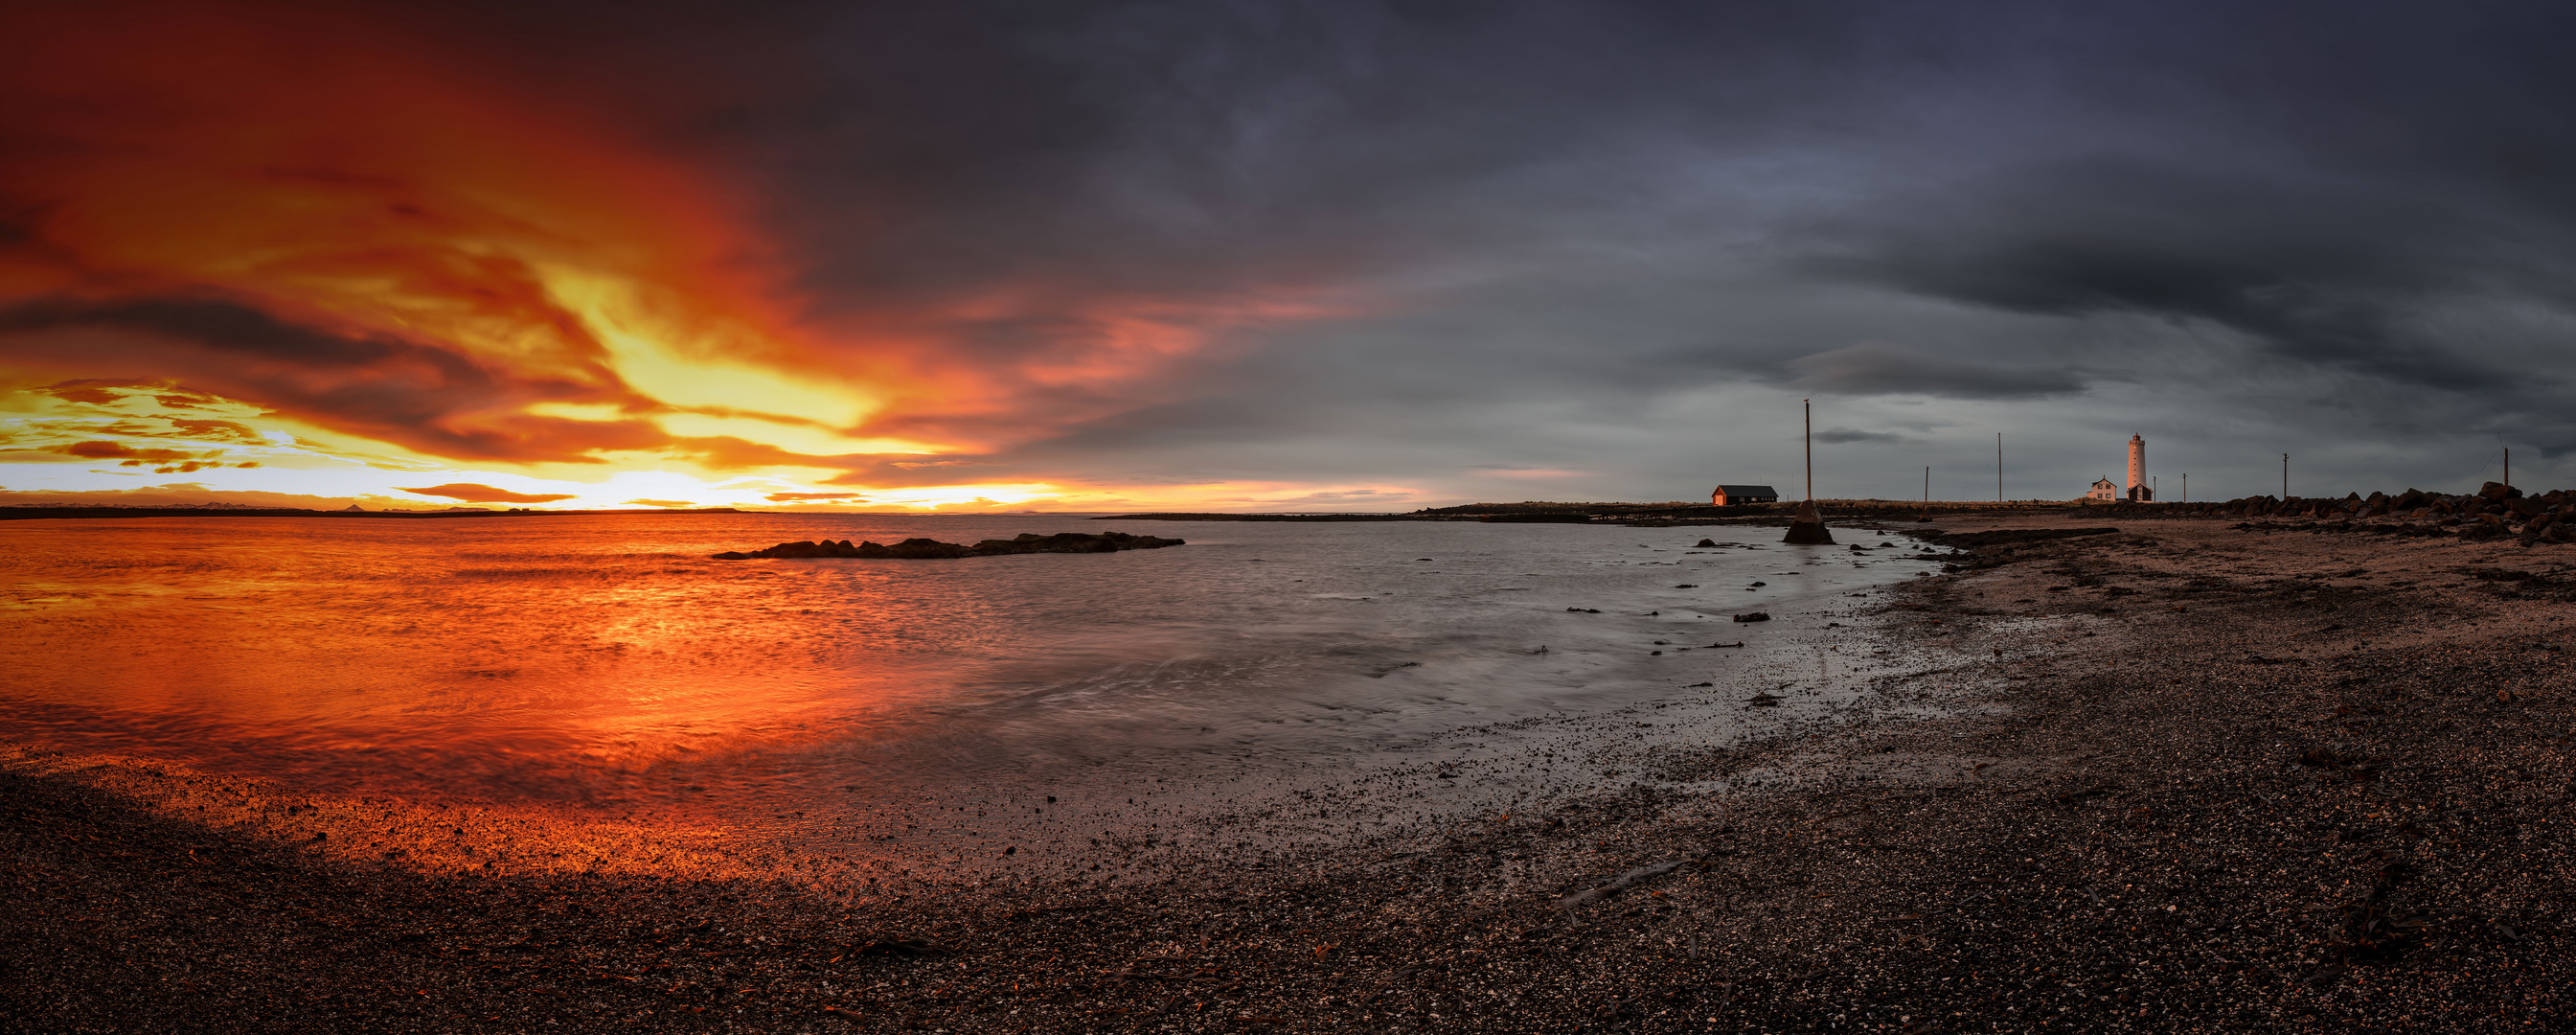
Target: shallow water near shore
606,664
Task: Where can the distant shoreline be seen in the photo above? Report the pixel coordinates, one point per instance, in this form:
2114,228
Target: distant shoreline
1654,514
45,513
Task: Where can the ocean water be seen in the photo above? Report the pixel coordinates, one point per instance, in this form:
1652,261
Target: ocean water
604,662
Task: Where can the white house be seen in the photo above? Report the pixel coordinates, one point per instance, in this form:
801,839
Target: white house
2103,490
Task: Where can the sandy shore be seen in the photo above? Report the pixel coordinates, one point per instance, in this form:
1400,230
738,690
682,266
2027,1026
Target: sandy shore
2177,777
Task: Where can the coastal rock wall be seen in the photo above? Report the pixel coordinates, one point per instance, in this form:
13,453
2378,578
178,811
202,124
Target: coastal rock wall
932,549
2492,512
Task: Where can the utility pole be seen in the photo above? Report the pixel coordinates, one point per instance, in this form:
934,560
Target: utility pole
2508,468
2285,476
1999,467
2152,491
2186,487
1927,491
1810,406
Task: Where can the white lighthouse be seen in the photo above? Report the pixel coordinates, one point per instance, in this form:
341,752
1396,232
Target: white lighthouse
2138,490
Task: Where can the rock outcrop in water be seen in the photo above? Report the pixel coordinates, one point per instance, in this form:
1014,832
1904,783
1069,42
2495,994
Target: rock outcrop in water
926,549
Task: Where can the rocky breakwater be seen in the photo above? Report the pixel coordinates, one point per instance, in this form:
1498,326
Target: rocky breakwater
2492,512
929,549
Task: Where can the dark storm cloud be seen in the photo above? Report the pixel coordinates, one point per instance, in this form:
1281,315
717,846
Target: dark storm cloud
1886,368
2321,272
1837,436
1170,148
2371,200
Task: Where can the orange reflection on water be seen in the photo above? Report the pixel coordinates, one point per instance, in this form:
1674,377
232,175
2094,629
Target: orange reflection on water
551,661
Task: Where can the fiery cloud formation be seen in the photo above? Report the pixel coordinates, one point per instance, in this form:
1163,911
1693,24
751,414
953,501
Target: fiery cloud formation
341,226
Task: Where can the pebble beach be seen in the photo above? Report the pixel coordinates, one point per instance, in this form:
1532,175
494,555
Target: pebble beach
2123,773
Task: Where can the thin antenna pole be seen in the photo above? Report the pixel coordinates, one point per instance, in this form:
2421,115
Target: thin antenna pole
2186,487
1999,467
2285,476
2508,468
1810,406
1927,491
2152,491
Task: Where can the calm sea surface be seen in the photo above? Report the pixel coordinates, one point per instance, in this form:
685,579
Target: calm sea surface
606,662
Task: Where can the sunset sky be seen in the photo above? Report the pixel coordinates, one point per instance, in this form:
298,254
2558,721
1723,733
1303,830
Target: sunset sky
1274,256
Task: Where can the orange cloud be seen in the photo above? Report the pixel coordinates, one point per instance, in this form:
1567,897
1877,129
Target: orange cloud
307,212
801,497
82,393
654,503
129,454
162,461
326,215
472,493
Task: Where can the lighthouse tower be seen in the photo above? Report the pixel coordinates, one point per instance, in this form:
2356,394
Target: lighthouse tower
2138,490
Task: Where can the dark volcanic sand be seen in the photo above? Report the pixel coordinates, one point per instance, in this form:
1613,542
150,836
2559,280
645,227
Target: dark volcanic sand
2178,778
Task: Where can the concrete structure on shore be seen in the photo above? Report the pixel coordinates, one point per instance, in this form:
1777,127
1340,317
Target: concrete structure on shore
1730,495
1807,527
2138,490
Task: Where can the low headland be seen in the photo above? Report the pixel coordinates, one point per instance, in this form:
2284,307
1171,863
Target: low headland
2493,511
1641,515
2137,774
922,548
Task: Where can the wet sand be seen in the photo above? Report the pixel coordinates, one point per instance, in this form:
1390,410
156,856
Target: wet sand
2180,777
